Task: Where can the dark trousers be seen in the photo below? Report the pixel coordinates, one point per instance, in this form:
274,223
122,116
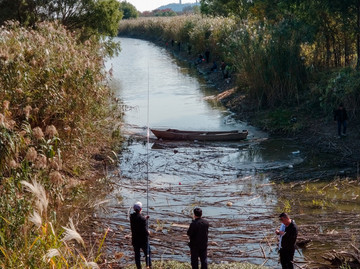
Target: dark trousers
195,254
341,124
144,247
287,258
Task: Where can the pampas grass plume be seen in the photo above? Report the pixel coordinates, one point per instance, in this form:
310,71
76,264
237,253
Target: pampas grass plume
55,177
56,163
41,162
71,234
13,164
51,131
53,252
36,219
38,133
31,154
92,265
39,192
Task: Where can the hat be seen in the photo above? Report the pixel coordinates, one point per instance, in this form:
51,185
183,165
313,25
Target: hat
138,206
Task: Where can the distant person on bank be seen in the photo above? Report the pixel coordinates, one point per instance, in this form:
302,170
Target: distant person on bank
200,59
207,55
341,117
288,241
140,235
198,234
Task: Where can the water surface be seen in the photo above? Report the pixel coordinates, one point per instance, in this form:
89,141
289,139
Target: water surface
228,180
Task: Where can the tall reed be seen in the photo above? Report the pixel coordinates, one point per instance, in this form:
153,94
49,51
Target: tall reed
267,57
53,98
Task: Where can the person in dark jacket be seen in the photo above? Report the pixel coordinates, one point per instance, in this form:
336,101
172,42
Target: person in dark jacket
207,55
198,234
341,117
140,235
288,241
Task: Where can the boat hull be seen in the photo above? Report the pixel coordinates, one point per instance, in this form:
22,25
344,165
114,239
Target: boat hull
174,134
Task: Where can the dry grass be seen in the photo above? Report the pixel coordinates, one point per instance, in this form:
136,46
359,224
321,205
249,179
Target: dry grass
55,113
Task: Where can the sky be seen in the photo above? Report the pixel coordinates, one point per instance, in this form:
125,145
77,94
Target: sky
148,5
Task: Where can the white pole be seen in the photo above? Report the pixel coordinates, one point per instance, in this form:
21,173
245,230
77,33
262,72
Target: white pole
147,167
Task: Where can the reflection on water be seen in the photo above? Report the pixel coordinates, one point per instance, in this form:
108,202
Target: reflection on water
225,179
176,96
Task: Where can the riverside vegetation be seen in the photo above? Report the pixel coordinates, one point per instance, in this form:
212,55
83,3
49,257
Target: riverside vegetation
55,104
287,65
55,113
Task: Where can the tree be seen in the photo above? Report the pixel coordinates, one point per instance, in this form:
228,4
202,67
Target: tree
238,8
128,10
333,26
104,17
20,10
92,16
164,12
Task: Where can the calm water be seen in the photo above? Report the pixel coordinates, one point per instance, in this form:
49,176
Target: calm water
228,180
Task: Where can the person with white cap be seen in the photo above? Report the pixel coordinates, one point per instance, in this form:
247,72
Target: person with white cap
140,235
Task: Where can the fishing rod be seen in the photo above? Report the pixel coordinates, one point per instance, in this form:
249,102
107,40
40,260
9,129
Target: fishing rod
147,169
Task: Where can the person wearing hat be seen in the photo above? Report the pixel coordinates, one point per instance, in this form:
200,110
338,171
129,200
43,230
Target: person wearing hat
198,234
140,235
288,241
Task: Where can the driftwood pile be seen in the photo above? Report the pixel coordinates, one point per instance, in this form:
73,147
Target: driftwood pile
345,258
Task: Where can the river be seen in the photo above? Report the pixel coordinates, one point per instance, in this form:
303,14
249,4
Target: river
228,180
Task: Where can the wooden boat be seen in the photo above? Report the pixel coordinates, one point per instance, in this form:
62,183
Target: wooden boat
174,134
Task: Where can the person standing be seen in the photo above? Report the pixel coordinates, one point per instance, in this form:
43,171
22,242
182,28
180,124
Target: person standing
199,59
198,234
341,117
288,241
207,55
140,235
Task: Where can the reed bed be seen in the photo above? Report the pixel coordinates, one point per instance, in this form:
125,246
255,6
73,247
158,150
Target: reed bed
53,100
267,58
272,62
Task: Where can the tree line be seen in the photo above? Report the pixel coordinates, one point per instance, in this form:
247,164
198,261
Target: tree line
92,17
332,26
